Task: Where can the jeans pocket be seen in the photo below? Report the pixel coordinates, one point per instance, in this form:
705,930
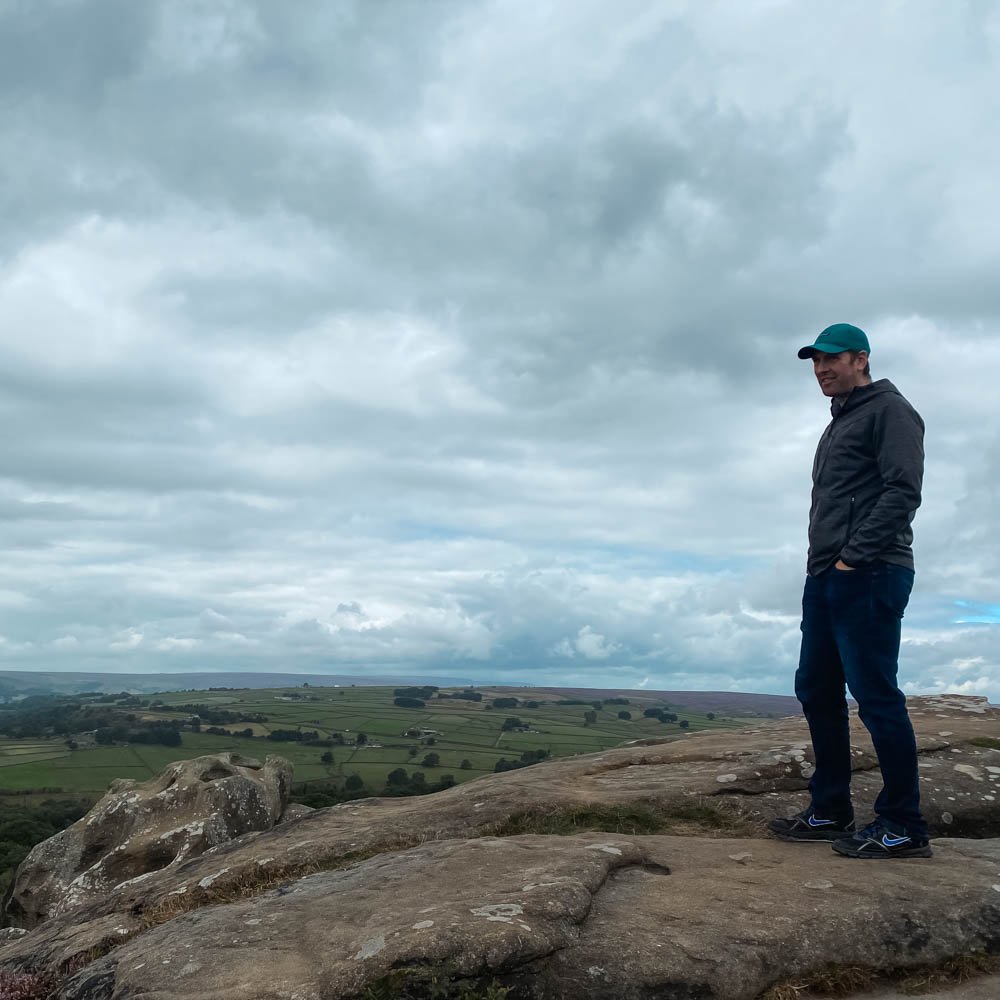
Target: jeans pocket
850,594
893,591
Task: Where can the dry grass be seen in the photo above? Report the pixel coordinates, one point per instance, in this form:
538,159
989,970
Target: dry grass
840,981
959,969
244,885
82,959
251,882
697,818
432,984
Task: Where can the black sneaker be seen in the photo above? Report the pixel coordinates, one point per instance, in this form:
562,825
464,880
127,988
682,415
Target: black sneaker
876,840
807,826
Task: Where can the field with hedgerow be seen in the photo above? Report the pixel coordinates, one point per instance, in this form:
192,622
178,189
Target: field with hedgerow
59,753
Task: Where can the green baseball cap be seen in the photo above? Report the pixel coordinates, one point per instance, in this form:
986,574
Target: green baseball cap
837,338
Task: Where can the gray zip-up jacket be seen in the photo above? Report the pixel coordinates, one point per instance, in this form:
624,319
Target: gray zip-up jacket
867,477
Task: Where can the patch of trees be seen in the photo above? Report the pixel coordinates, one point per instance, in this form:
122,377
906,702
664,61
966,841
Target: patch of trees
164,733
506,702
617,701
526,759
660,713
398,783
406,702
122,699
398,777
218,716
219,731
418,734
424,693
53,715
309,737
512,723
319,795
25,824
306,736
625,716
463,695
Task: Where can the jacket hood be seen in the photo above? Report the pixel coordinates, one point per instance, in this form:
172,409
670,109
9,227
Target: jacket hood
863,394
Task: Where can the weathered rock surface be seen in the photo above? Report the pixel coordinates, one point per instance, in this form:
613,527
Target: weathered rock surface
137,829
325,905
589,916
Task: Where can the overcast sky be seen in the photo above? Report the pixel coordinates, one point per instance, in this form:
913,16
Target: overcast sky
458,338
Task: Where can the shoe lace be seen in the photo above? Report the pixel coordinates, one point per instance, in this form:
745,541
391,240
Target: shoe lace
873,830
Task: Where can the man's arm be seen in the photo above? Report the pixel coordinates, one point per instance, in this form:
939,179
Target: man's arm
899,452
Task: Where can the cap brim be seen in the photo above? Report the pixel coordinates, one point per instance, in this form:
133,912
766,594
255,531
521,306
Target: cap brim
825,348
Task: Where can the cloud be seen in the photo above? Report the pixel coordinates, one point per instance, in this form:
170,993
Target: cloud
359,336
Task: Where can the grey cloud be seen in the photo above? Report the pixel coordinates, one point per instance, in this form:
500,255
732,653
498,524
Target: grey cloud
68,49
408,334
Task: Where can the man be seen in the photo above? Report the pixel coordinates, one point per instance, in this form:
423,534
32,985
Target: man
866,488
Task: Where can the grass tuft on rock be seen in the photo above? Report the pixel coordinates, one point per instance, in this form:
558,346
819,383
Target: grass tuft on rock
989,742
694,819
432,984
254,882
840,981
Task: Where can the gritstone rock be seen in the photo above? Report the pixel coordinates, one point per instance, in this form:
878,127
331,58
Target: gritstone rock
138,829
361,898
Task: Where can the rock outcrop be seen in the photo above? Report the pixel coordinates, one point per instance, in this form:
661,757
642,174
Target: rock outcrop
597,916
138,829
375,898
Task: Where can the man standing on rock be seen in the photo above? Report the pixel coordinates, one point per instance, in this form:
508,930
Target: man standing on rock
866,488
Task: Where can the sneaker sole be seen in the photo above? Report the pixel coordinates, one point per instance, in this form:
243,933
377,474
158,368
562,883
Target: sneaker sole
910,852
810,838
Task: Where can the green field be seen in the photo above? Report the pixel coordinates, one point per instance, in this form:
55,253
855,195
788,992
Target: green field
468,731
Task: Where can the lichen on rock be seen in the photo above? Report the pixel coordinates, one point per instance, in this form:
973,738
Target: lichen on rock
138,829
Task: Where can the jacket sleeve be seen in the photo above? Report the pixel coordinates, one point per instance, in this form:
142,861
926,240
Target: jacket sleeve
899,454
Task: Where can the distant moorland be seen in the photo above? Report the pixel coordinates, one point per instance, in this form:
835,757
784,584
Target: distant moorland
60,751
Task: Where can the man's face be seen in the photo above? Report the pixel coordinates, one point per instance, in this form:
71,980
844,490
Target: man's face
838,374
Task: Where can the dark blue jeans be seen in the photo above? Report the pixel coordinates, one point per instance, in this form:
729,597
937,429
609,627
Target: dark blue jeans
850,634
